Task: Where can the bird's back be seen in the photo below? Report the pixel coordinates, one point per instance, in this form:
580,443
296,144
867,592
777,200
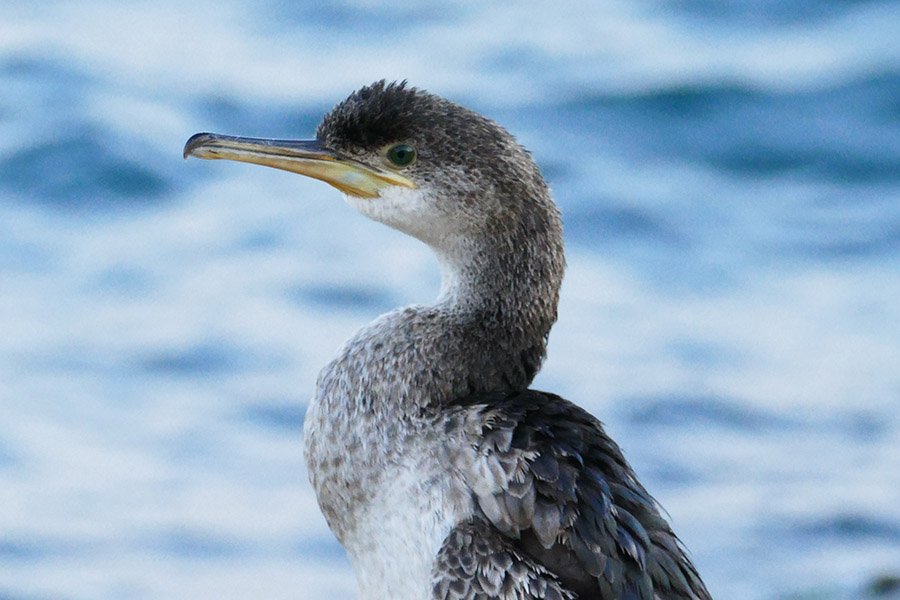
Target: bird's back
559,513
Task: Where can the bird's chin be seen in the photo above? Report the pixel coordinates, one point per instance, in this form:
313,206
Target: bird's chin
410,211
394,206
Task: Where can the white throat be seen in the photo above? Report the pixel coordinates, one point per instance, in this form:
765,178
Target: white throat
411,211
417,213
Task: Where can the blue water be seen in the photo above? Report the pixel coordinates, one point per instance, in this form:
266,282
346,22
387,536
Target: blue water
729,176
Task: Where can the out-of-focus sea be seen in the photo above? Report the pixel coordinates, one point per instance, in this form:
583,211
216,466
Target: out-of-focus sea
729,176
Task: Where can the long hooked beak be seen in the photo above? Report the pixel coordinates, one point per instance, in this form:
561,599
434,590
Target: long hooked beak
307,157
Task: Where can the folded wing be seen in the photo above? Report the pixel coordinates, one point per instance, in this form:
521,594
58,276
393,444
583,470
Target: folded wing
558,492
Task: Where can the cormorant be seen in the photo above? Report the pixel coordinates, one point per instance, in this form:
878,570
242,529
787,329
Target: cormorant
438,469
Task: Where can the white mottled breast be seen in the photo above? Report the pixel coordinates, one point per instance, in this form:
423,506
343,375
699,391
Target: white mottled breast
390,510
379,463
401,530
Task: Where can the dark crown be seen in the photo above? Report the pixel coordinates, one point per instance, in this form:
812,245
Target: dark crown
378,114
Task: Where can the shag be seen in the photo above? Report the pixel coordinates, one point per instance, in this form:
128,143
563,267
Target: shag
442,474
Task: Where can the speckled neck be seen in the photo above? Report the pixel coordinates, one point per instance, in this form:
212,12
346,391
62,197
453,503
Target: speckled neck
501,293
396,377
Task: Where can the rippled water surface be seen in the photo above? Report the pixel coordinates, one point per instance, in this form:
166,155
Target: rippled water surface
729,175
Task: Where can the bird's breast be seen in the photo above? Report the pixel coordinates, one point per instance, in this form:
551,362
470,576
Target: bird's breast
388,496
363,422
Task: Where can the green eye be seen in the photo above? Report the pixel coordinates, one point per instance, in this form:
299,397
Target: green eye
401,155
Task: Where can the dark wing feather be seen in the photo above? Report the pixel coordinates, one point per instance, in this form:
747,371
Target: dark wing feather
545,475
476,562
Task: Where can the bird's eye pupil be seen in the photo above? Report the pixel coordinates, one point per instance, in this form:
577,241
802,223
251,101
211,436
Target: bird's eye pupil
401,154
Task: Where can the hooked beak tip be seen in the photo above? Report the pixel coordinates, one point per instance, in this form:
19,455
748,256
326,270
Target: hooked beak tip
195,141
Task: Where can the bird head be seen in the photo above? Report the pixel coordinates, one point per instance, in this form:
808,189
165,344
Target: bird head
409,159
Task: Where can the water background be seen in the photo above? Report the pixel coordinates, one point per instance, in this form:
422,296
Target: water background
729,176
